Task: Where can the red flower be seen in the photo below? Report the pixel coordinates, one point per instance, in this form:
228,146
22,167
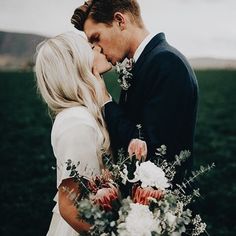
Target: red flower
141,195
100,181
105,196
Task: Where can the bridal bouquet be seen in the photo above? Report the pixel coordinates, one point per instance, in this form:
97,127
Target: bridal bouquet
133,198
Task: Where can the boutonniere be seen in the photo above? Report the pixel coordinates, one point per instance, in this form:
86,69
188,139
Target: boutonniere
124,71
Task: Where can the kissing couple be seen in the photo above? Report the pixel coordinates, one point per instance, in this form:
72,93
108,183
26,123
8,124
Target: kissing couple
162,97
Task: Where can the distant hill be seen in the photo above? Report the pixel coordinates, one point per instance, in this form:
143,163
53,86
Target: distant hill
212,63
17,50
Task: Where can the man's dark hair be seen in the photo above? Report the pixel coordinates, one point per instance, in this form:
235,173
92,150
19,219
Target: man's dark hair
103,11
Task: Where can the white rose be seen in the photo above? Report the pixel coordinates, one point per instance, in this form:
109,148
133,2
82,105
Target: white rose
150,175
140,221
171,219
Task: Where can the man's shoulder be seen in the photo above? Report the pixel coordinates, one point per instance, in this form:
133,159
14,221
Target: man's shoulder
159,47
159,56
164,49
165,54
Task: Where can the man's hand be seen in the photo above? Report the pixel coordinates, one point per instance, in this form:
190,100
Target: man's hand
106,96
138,148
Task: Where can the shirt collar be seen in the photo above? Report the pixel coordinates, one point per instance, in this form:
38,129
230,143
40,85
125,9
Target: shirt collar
141,47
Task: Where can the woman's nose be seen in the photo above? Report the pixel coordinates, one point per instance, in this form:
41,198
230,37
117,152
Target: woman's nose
97,48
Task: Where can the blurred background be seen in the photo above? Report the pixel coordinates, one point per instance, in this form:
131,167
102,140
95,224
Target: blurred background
203,30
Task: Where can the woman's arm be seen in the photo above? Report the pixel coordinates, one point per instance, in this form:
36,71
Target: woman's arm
74,137
67,208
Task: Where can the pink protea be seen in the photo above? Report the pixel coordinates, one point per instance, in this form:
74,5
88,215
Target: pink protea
141,195
100,181
105,196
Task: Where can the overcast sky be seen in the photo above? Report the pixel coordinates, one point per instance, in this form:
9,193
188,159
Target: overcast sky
199,28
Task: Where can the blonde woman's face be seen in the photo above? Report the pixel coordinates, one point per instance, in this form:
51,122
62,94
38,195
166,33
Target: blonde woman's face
100,62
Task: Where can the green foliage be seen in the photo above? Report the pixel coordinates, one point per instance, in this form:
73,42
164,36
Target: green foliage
28,182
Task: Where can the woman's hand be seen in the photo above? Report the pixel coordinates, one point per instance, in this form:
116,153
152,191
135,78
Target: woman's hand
138,148
106,96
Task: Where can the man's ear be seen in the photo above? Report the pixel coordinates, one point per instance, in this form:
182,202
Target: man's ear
120,19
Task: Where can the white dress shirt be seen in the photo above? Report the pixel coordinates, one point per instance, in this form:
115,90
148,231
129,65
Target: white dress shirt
141,47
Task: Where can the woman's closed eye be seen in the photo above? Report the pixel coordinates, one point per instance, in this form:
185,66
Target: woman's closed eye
94,38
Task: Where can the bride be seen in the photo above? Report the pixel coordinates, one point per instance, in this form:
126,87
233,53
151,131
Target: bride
66,66
74,96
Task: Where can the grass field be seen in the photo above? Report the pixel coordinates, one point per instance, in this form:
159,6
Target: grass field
28,179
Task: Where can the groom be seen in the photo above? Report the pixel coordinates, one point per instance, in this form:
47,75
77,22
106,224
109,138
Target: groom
163,95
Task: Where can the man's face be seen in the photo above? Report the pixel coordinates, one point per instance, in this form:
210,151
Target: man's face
109,38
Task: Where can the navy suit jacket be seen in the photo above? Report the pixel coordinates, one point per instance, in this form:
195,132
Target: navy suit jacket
163,98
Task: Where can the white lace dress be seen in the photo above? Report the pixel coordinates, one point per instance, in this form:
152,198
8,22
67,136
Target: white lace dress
76,136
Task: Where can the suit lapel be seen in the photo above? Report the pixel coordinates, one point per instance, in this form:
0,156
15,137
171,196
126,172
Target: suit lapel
154,42
157,39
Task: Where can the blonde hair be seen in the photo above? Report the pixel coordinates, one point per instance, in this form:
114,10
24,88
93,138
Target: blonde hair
65,79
